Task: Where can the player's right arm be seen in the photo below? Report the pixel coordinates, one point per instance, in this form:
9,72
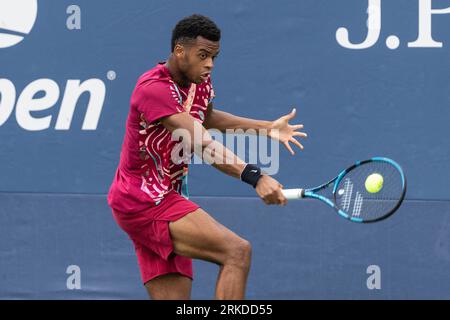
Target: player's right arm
198,140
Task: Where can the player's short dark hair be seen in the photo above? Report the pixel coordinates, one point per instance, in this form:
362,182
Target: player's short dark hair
189,28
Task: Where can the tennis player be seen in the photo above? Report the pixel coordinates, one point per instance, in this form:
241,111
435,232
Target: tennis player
147,194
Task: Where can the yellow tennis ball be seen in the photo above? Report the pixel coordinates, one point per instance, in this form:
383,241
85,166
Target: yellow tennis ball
374,183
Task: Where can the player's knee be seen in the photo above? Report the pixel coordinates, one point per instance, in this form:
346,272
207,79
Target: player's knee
240,254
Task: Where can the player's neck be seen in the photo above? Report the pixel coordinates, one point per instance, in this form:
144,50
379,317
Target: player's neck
175,73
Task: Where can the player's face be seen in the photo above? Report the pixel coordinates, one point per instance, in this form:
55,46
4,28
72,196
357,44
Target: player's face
198,59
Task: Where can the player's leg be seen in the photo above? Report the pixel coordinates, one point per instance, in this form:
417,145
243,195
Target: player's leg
166,276
172,286
197,235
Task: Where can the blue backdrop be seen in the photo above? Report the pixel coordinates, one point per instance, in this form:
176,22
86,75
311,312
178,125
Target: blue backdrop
274,55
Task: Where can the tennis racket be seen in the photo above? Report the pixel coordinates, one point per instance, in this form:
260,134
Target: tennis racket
348,195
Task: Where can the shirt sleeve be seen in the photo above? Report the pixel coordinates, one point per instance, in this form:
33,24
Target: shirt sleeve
158,100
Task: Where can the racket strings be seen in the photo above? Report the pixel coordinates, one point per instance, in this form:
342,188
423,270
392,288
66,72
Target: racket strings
353,198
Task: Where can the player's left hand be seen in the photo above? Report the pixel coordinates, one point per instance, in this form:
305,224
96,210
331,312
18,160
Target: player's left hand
282,131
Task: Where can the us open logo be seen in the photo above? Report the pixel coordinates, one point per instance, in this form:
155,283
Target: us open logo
17,18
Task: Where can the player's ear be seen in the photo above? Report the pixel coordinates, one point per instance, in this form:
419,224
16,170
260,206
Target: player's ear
179,50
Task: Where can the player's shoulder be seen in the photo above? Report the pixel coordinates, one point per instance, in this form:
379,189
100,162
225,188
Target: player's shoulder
206,89
154,80
205,85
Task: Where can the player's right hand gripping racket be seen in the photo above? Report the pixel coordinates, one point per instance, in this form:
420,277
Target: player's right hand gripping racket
353,193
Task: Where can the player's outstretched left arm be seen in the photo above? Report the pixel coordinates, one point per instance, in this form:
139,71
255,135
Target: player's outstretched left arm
279,129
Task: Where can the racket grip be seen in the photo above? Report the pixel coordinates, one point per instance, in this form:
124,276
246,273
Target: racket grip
293,194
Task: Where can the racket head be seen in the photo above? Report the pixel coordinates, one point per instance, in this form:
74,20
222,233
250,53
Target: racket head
354,202
362,206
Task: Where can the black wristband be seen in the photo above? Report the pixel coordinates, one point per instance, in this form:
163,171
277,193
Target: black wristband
251,174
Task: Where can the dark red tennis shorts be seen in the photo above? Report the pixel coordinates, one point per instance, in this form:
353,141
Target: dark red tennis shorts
149,231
